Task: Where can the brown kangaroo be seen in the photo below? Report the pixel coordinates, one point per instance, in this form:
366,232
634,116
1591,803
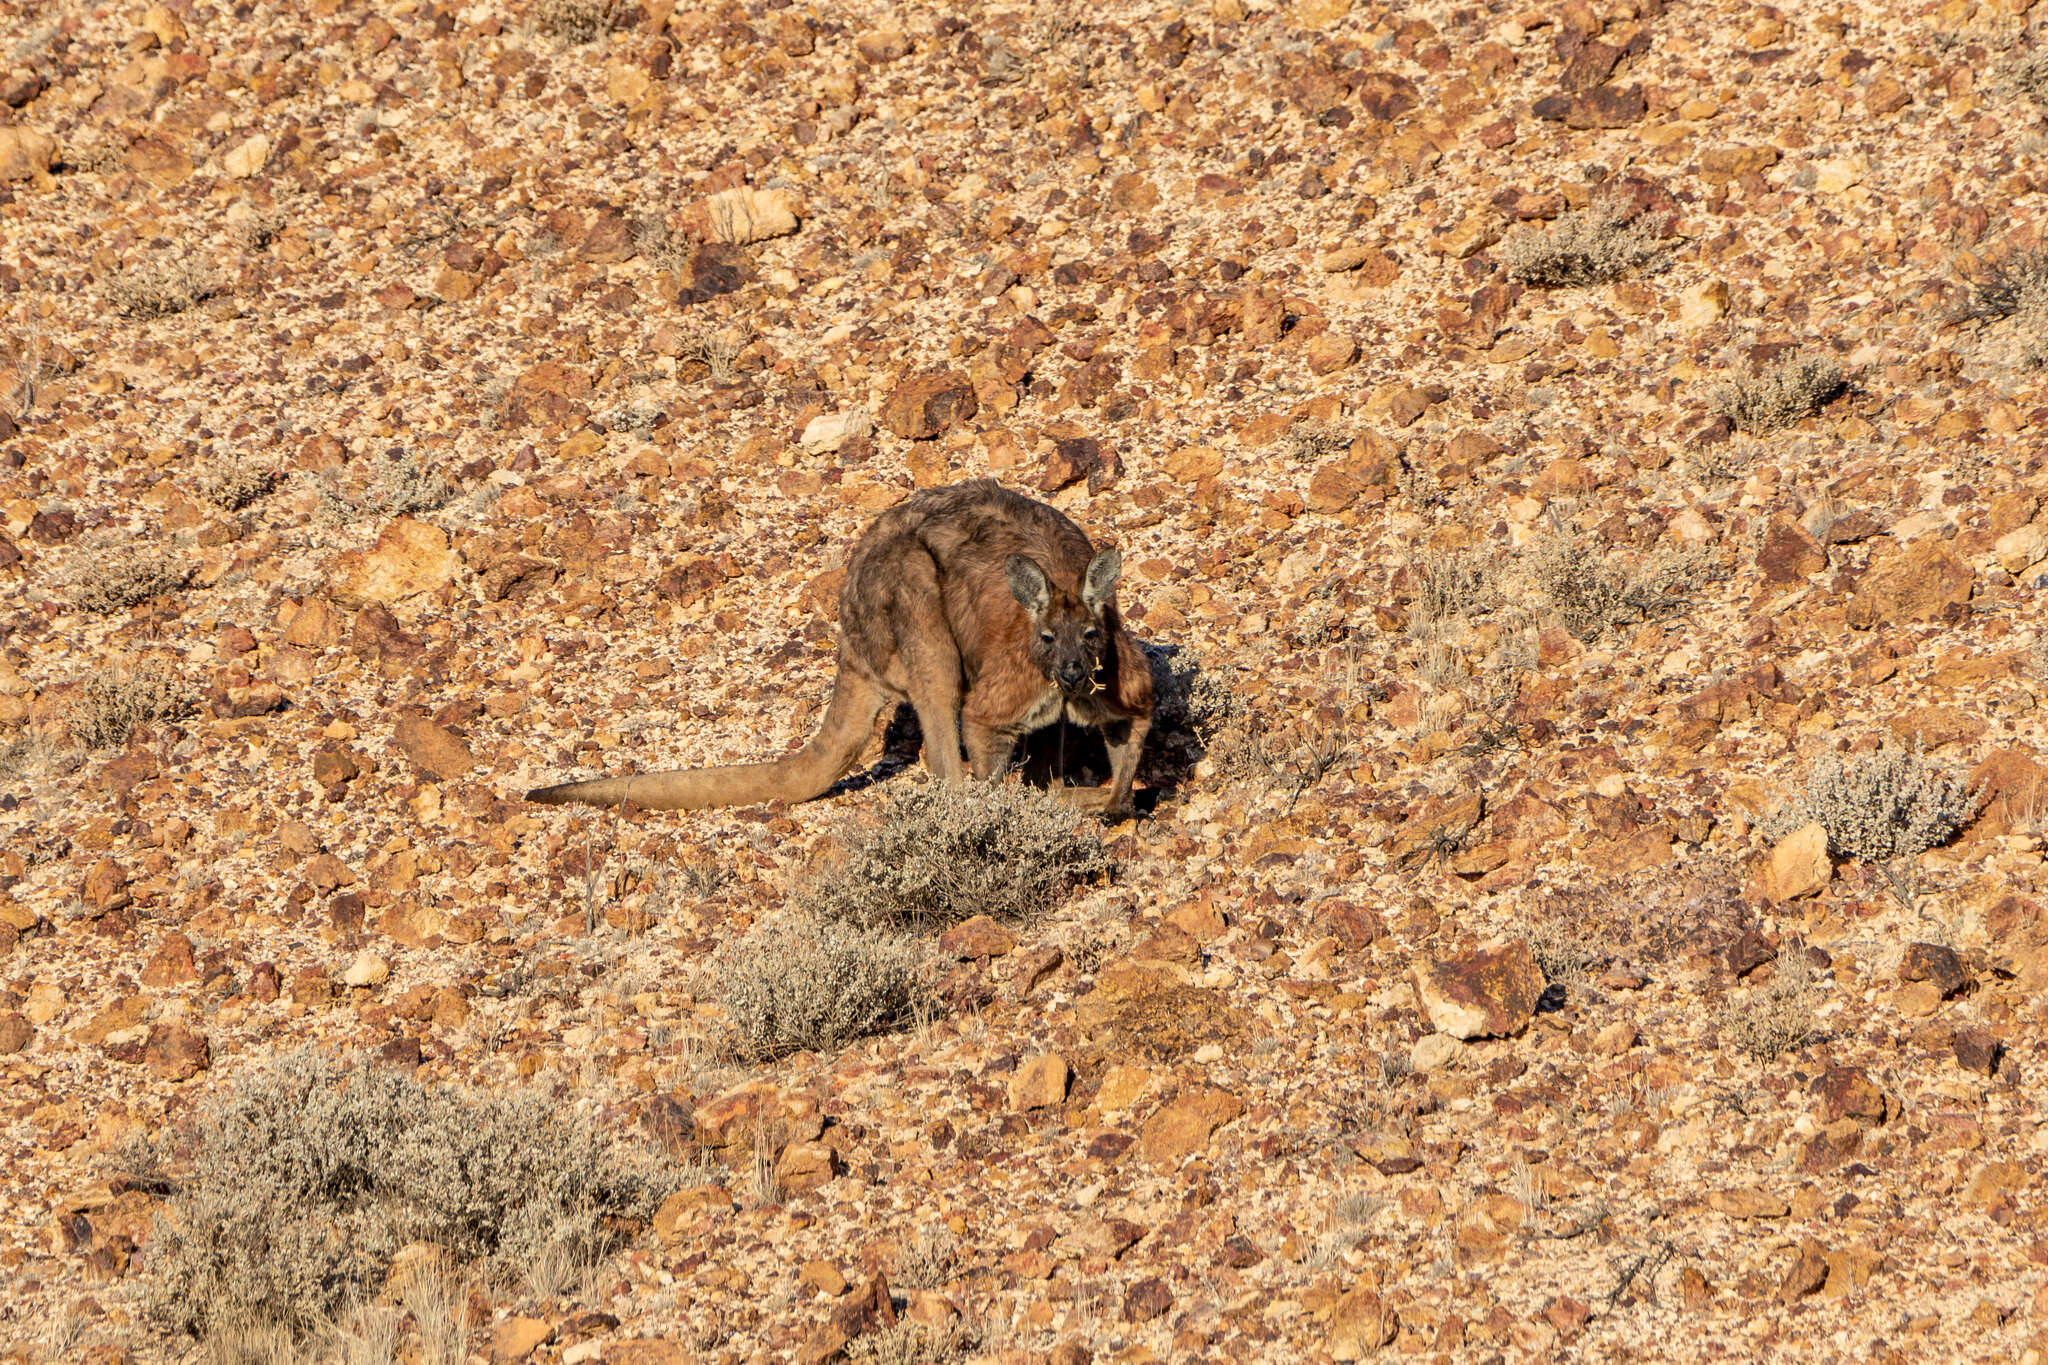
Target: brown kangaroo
989,613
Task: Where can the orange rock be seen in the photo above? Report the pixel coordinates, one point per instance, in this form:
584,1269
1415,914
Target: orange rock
1924,582
1184,1126
1040,1083
1489,993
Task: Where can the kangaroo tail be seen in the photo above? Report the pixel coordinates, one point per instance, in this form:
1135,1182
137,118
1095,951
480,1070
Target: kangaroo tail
807,773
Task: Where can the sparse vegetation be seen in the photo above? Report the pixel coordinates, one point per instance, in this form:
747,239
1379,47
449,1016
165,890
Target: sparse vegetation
797,983
910,1343
1770,1022
2029,76
1598,244
717,352
238,485
938,854
107,574
403,485
303,1183
2017,286
575,22
1786,393
1592,592
928,1261
1563,955
1888,804
161,286
116,700
1314,442
1449,587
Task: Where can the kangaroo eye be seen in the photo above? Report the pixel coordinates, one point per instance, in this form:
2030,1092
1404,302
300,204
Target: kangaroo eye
1091,634
1045,636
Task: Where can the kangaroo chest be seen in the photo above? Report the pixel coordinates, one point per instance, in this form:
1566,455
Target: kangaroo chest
1052,705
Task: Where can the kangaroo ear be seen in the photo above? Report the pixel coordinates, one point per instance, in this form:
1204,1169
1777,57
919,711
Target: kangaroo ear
1028,584
1100,582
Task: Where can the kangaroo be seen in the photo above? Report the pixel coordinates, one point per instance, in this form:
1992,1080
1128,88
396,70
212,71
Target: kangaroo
987,611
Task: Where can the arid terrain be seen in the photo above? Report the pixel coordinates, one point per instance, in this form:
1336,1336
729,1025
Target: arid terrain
1579,470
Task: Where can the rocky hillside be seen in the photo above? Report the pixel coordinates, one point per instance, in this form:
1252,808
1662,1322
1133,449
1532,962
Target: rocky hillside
1579,468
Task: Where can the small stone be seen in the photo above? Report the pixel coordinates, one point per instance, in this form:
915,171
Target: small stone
1331,352
1789,554
410,558
440,752
1431,1051
834,430
978,937
824,1277
925,406
105,887
171,964
1748,1201
1702,304
741,215
1798,864
518,1338
367,970
2019,550
1184,1126
16,1032
1389,1153
1808,1273
26,154
1924,582
248,158
1359,1325
1040,1083
1977,1050
1936,963
175,1053
1348,257
1491,993
1146,1300
806,1165
1846,1092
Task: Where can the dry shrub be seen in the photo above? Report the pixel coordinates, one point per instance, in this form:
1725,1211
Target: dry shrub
1888,804
939,853
929,1260
112,703
910,1343
1450,586
1593,592
2017,288
292,1194
236,486
108,575
160,287
575,22
1786,393
2029,76
404,484
1285,751
1598,244
1768,1023
1314,442
717,352
1564,953
796,983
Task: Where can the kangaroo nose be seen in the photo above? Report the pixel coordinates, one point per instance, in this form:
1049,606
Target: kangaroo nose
1072,673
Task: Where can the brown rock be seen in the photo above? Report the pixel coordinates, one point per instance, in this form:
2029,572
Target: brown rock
517,1338
929,404
655,1351
1977,1050
1359,1325
171,964
1925,582
161,161
1040,1083
175,1053
25,153
1331,352
409,559
1935,963
824,1277
2015,785
1846,1092
1798,865
1367,472
440,752
1076,458
1184,1126
978,937
105,887
1789,555
1808,1273
1146,1300
743,214
1932,727
682,1210
806,1165
1491,993
1748,1201
16,1032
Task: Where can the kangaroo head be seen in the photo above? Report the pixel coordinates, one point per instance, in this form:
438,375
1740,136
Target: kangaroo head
1069,636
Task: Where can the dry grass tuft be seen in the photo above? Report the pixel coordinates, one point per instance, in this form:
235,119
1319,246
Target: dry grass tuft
798,983
1314,442
236,486
929,1260
305,1180
114,702
911,1343
717,352
158,288
1592,592
1786,393
575,22
2017,288
403,485
107,574
1598,244
1889,804
1770,1023
937,854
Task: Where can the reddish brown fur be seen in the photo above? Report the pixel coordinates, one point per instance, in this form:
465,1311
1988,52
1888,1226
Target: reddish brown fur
931,613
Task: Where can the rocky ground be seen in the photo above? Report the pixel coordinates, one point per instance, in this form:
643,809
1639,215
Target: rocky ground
424,402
